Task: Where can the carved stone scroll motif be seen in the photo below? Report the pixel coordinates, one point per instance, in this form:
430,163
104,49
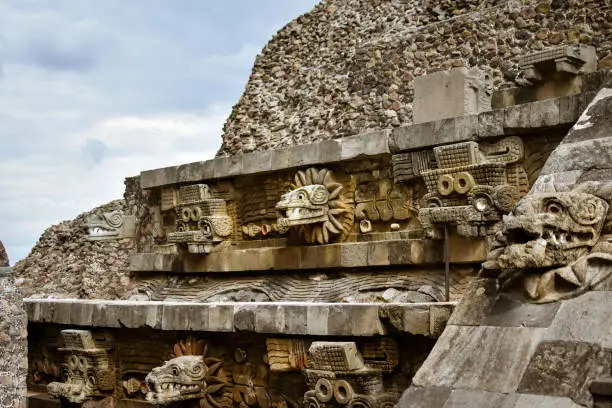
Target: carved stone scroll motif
556,243
88,368
473,187
201,220
340,377
317,206
189,375
110,225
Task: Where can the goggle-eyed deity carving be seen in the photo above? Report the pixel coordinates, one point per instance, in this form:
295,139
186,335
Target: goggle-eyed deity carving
316,206
88,370
554,243
189,375
472,188
340,377
200,219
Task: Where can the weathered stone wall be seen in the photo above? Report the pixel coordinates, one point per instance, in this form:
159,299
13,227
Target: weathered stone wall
348,65
13,339
64,264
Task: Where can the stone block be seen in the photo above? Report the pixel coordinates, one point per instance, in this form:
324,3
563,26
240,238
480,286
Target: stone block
479,399
376,143
474,356
154,262
257,162
544,401
565,369
330,151
544,113
517,117
601,386
415,320
354,255
568,109
352,147
316,320
579,156
571,324
220,317
448,94
194,172
295,320
269,318
158,177
491,124
354,320
595,121
467,250
430,134
428,397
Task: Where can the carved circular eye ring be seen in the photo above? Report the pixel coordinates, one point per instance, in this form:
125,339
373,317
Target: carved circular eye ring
300,196
446,184
186,214
196,213
324,391
343,392
175,371
73,362
83,364
554,207
463,182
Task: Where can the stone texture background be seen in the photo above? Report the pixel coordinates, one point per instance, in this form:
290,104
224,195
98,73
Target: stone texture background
64,264
348,66
13,339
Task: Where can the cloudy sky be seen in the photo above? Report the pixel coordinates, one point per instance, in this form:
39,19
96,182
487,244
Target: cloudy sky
94,91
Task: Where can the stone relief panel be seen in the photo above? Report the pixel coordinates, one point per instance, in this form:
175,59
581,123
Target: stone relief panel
227,370
201,221
339,376
88,368
317,206
558,244
396,286
256,207
112,225
471,186
189,375
383,202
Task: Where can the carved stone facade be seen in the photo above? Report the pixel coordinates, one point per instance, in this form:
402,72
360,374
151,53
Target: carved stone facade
554,243
88,368
472,186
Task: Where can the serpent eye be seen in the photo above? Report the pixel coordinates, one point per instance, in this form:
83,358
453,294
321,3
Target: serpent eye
300,196
554,207
175,371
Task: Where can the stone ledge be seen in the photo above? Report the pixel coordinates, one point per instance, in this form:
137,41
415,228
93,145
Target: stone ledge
329,151
496,123
6,271
500,122
295,318
347,255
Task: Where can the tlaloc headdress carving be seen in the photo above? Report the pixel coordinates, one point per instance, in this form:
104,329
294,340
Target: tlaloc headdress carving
189,375
316,206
